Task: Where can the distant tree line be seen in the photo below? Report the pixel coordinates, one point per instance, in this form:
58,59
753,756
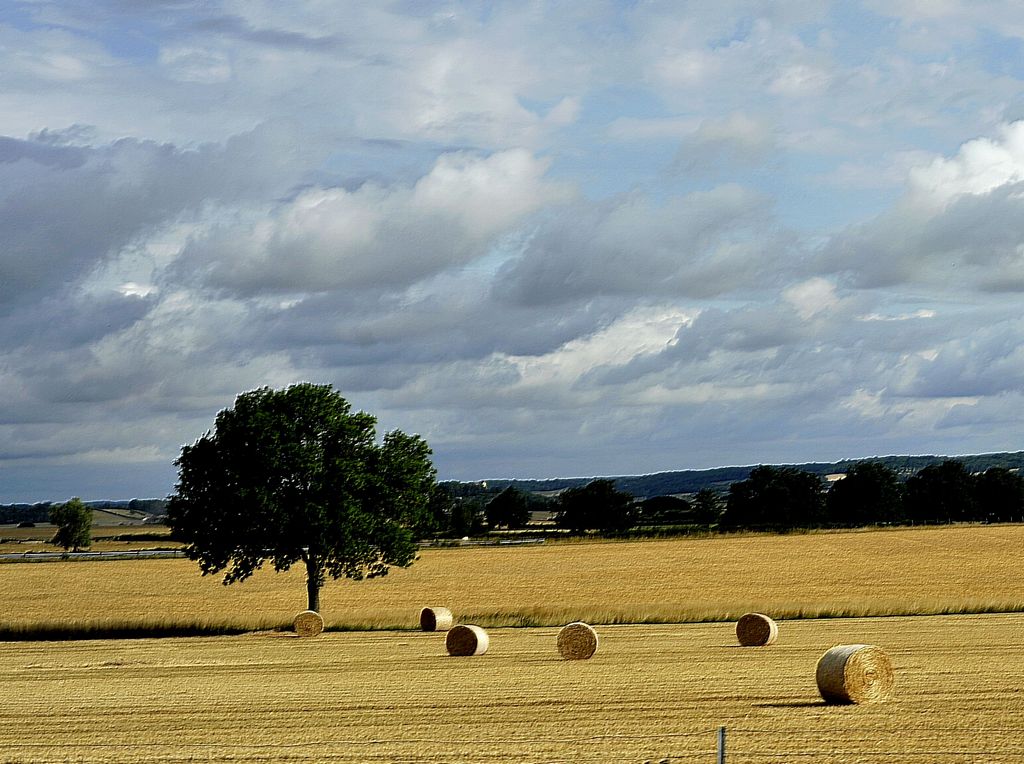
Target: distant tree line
785,498
770,498
887,491
720,478
39,512
25,513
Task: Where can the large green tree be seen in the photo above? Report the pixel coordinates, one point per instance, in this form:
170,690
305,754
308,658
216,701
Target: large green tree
294,475
74,524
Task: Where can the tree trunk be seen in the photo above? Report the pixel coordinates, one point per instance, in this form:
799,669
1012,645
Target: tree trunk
314,580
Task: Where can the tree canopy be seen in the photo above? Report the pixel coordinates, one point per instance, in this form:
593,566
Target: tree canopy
869,493
999,495
509,508
597,505
941,493
779,498
294,475
707,506
74,524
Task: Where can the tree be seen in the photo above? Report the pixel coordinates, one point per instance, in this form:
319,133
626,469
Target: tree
294,474
941,493
999,495
665,510
781,498
435,520
74,524
707,506
870,493
509,508
597,505
467,517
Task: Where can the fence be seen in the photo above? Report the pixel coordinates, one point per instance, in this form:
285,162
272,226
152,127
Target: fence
119,555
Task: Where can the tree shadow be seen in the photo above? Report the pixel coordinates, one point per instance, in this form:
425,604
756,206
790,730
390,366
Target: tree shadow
793,704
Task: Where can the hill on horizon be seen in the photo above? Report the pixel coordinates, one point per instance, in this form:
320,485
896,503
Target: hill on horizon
720,478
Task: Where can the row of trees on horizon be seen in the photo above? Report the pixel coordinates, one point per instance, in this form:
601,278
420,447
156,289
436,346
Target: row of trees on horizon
771,498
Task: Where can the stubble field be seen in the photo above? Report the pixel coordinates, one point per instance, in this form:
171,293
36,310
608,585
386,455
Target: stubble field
652,692
905,571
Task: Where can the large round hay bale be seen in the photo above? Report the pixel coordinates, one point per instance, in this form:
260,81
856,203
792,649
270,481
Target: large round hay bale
577,641
436,619
855,674
756,630
466,640
309,623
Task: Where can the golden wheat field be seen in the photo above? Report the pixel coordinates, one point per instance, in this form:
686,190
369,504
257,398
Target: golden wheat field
651,693
904,571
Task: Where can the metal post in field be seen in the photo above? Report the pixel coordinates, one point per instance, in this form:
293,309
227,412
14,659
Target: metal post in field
721,745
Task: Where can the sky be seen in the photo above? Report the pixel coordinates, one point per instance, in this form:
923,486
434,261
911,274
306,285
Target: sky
554,239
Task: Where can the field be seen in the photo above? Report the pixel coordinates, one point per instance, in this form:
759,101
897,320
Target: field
105,537
650,693
655,691
907,571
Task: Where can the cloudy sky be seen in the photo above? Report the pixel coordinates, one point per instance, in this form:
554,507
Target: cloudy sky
552,238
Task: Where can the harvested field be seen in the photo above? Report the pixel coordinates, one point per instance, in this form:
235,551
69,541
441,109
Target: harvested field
652,692
105,538
932,570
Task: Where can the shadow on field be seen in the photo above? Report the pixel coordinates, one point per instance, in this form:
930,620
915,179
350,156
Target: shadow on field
793,704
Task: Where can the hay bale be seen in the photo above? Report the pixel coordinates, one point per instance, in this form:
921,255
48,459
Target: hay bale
436,619
756,630
309,623
577,641
466,640
855,674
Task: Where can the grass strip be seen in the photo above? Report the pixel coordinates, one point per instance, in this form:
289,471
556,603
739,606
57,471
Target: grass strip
59,632
62,632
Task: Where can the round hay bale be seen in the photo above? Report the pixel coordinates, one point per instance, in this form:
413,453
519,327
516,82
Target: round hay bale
309,623
466,640
436,619
855,674
756,630
577,641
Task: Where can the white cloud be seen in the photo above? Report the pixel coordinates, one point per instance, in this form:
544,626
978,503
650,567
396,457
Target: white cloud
958,226
980,166
811,297
331,238
555,238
